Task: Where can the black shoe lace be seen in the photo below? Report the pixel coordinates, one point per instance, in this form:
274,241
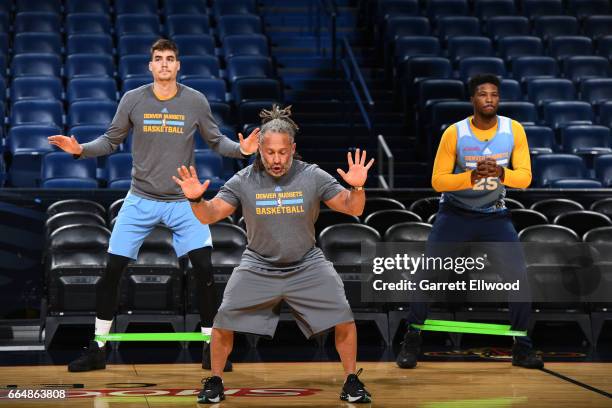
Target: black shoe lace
358,383
206,381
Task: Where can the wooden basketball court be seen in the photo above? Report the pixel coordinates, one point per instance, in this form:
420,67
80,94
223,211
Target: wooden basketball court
431,385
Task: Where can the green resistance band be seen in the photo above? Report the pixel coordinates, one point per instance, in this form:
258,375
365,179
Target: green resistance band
469,327
181,336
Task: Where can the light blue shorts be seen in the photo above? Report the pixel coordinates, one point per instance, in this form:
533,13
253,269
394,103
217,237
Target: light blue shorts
139,216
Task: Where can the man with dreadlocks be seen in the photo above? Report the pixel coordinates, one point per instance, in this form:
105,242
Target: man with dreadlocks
280,199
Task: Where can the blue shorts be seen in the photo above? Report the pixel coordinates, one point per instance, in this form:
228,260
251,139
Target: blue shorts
139,216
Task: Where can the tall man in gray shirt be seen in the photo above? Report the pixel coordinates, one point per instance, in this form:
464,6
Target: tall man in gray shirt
280,199
163,117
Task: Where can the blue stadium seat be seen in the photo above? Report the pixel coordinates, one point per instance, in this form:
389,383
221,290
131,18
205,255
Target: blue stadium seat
6,6
414,46
586,8
36,87
536,8
60,170
603,169
245,45
213,89
596,90
135,7
137,44
36,65
402,26
597,26
27,145
255,66
442,115
220,112
89,65
90,44
435,90
544,90
593,139
91,89
29,43
51,6
248,112
559,114
196,44
137,24
547,168
457,26
581,68
91,113
225,7
135,82
183,24
88,23
134,65
562,47
554,26
604,47
468,67
463,47
5,23
526,68
523,112
87,133
541,139
89,6
512,47
505,26
204,66
390,8
254,89
443,8
485,9
208,164
35,21
119,171
41,112
576,183
510,90
605,114
184,7
415,68
243,24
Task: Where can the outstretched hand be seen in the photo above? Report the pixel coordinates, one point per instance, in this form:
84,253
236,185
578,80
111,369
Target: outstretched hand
358,171
250,144
67,144
189,182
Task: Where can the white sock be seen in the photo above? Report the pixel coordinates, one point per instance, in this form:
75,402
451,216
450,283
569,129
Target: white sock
102,327
207,331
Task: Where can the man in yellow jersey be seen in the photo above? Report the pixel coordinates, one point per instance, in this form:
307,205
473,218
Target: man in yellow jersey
163,117
477,157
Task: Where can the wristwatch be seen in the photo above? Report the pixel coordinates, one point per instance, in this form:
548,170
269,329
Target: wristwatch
196,200
360,188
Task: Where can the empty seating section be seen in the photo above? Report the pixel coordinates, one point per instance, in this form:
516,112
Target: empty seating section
66,64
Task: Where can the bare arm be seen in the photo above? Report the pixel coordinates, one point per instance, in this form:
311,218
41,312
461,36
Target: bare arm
348,201
208,212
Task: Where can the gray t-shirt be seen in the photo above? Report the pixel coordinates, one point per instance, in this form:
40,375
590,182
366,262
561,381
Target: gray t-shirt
162,138
280,213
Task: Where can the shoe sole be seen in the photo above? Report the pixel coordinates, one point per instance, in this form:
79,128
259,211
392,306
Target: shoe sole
362,399
205,400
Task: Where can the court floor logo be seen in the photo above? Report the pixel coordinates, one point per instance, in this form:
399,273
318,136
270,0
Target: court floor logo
178,393
498,353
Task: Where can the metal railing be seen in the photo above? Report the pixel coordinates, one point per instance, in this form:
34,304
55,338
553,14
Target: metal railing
366,106
327,8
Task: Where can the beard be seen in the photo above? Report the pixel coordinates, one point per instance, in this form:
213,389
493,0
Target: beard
488,115
284,169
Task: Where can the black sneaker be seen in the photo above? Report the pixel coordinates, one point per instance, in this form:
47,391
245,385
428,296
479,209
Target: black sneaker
206,359
526,357
353,390
212,392
411,346
93,358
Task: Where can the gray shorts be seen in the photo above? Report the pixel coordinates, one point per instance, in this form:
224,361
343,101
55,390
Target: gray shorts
313,290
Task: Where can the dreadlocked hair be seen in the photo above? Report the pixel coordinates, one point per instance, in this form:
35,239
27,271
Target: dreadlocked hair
276,120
